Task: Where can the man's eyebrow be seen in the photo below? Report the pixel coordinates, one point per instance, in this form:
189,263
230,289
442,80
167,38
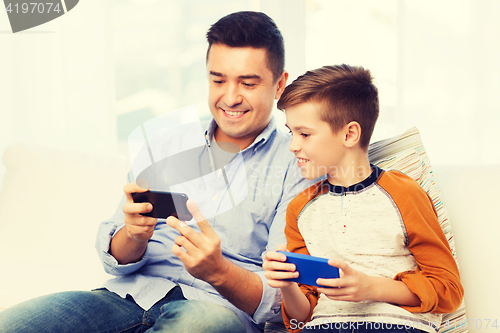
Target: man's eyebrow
216,74
243,77
250,76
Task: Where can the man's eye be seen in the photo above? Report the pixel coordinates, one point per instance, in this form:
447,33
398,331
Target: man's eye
249,84
217,82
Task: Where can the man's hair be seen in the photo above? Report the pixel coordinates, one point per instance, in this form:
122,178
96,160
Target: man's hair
344,93
250,29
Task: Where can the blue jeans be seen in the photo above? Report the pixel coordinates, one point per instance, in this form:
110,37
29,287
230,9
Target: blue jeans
104,311
361,327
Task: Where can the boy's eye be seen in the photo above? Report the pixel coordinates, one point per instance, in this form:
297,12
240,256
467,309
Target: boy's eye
304,135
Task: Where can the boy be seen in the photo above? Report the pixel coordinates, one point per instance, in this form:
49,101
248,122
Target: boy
378,227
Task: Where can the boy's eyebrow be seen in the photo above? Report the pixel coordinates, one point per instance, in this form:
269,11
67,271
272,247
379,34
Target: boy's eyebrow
299,128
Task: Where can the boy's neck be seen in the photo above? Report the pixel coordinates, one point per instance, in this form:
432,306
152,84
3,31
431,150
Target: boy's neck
352,170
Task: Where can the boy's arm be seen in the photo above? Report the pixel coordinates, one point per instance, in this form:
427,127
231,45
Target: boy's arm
436,281
278,272
355,286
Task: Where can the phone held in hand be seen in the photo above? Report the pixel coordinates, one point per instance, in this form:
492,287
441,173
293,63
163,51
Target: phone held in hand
165,204
310,268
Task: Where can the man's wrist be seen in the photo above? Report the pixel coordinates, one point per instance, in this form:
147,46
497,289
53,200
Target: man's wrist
222,274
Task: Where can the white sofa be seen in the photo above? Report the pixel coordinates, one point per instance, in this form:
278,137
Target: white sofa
52,201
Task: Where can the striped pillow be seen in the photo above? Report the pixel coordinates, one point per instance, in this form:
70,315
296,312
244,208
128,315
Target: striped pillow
406,153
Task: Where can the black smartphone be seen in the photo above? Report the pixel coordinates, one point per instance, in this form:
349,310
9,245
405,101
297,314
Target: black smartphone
165,204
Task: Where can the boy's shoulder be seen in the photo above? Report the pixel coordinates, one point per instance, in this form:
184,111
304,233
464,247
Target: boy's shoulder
396,180
404,190
298,203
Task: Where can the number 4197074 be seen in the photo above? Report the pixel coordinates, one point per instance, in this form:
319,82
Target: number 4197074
33,8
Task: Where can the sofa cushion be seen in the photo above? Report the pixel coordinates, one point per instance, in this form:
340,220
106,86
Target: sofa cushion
51,204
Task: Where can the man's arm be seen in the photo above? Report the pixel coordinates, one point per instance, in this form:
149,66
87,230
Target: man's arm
202,257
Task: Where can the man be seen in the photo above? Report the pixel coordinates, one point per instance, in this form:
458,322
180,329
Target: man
206,277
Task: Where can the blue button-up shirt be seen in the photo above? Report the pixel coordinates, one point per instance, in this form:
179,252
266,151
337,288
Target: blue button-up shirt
246,207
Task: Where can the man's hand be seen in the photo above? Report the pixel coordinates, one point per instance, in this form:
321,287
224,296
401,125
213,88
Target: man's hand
139,228
131,241
200,252
276,270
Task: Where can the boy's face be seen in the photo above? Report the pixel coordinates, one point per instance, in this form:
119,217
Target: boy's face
241,92
318,150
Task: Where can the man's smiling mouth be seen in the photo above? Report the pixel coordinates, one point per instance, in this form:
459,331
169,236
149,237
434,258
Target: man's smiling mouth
234,113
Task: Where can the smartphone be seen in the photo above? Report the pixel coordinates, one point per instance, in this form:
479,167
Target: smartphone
165,204
310,268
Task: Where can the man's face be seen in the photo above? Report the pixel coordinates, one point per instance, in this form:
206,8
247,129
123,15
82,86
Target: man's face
241,92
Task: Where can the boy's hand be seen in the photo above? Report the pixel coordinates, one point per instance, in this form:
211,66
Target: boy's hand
353,285
276,270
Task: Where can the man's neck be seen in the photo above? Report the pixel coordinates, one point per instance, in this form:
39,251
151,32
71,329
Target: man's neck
242,142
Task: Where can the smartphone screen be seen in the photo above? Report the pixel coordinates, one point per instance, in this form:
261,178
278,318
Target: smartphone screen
165,204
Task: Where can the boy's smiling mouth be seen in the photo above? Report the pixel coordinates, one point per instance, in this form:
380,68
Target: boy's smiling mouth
301,161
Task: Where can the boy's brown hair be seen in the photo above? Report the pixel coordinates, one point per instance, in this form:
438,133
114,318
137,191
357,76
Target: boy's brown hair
344,93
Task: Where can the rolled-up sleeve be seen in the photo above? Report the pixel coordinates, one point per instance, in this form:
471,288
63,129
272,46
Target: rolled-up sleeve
106,232
270,303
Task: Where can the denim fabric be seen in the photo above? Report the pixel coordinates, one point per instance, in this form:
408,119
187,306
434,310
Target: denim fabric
101,311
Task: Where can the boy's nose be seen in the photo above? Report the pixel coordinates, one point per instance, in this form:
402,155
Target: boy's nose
293,147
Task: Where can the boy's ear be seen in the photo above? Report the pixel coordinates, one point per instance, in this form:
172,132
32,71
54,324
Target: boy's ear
352,134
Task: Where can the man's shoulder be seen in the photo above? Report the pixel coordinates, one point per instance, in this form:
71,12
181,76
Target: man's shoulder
279,142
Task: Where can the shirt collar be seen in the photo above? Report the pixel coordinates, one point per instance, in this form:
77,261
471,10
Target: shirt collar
265,135
372,178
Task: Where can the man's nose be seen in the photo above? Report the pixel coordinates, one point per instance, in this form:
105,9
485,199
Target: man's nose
232,96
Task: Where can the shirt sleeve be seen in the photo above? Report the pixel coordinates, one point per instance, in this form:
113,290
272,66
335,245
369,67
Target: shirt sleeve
295,243
436,280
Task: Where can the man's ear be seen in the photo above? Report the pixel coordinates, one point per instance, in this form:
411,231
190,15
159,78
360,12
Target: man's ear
281,84
352,134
